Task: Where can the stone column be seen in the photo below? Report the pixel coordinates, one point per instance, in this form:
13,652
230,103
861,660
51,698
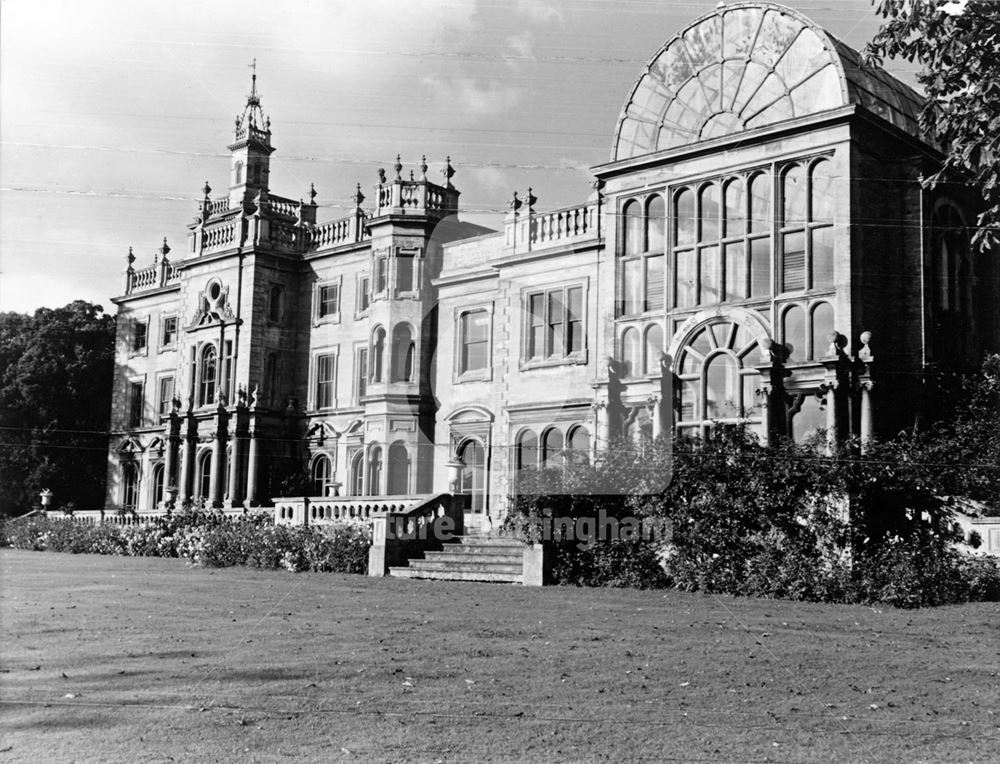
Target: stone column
764,391
653,405
169,468
187,460
830,386
218,465
235,473
867,421
252,459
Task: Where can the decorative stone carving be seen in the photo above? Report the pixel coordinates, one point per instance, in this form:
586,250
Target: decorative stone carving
865,354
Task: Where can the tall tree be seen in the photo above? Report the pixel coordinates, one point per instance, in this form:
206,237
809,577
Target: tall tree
55,405
957,45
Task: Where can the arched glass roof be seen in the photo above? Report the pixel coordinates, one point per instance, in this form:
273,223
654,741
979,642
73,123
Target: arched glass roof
746,65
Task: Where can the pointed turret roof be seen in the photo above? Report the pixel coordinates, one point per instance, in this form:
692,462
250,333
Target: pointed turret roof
253,125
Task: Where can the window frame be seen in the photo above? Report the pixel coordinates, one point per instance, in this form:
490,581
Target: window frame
170,344
316,399
531,360
275,303
160,380
135,415
640,253
363,295
333,317
133,349
462,374
806,227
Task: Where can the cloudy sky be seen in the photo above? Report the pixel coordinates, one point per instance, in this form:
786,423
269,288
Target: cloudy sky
113,114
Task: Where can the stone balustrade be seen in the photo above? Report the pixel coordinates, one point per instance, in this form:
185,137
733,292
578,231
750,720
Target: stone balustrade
399,533
347,230
415,196
218,237
155,276
529,231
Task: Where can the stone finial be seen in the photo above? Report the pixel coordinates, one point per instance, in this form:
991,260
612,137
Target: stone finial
164,250
531,200
515,203
206,190
423,167
833,349
411,174
448,172
312,193
358,196
381,176
865,354
398,167
129,258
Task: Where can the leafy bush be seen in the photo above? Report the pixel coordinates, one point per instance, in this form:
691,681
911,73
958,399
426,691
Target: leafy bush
208,539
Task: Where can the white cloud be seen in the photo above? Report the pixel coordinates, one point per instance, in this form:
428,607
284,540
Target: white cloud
472,96
541,11
522,45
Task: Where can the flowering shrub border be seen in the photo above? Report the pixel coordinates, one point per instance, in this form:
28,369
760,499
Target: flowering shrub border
207,539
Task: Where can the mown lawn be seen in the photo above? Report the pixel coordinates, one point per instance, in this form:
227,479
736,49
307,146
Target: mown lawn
130,659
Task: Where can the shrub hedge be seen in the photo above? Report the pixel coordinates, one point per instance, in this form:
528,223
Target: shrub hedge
208,539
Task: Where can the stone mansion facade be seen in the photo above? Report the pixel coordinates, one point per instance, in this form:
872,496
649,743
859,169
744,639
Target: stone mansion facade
758,250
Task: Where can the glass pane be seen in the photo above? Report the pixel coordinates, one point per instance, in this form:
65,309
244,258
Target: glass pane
708,213
732,75
632,302
755,74
655,283
794,195
821,192
702,343
760,203
760,268
822,258
654,346
579,440
710,292
690,364
810,419
689,395
736,272
527,450
793,327
751,401
684,217
711,83
822,327
735,222
794,259
739,27
704,42
777,31
723,123
656,214
555,324
722,388
770,91
819,92
779,110
685,275
803,57
633,228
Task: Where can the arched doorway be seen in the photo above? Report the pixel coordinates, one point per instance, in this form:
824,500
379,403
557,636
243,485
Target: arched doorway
474,475
322,472
156,489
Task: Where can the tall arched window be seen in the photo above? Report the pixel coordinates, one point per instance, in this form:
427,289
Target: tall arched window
205,473
656,219
378,354
631,357
578,444
474,476
398,466
322,473
238,174
949,253
654,346
632,215
684,217
552,448
807,227
793,332
822,326
130,487
208,374
156,492
526,451
358,474
375,471
722,387
402,353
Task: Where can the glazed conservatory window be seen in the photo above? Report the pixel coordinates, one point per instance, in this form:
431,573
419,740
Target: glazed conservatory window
805,332
722,241
643,284
735,70
807,227
718,382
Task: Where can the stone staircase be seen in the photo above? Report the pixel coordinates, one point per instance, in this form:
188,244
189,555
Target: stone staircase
471,558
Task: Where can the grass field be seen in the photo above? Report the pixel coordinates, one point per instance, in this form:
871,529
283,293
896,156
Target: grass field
148,660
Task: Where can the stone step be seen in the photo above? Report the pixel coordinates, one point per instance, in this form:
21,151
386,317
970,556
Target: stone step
483,567
490,541
464,555
457,575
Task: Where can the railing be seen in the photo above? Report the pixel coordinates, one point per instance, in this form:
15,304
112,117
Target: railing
344,231
398,534
280,206
308,510
539,230
155,276
218,206
218,237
